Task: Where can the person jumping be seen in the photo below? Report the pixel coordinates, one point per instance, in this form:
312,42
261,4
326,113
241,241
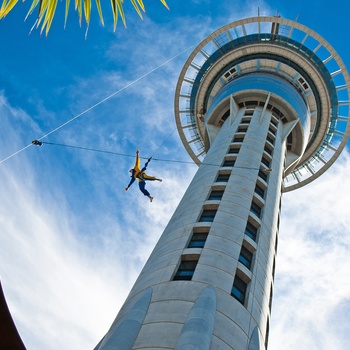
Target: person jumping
137,173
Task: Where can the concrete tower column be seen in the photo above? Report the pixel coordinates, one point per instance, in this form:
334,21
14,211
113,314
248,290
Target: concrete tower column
238,222
260,113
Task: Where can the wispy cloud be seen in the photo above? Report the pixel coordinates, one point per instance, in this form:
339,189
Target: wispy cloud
73,242
64,264
311,287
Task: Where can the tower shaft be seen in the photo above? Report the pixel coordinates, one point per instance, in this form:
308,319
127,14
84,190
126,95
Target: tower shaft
262,106
218,248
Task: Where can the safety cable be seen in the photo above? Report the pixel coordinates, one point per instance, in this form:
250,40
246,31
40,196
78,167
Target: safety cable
98,103
162,144
36,142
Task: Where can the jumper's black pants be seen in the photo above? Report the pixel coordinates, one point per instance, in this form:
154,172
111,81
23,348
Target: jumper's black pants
142,185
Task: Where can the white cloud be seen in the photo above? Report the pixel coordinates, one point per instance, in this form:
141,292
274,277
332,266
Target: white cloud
312,266
68,263
48,274
73,242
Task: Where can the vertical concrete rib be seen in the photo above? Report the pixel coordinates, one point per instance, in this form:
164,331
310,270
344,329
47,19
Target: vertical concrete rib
198,328
122,334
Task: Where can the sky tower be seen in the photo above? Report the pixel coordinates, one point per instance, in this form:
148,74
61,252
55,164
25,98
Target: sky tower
262,106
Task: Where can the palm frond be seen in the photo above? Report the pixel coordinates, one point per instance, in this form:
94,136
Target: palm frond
79,8
165,4
47,10
140,2
87,10
115,13
66,13
99,8
6,7
49,14
134,3
121,11
32,7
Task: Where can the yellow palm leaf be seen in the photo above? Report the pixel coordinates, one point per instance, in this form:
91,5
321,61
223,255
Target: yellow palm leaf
99,8
165,4
6,7
50,13
41,12
137,8
115,13
79,8
117,8
32,7
121,11
47,10
87,10
141,5
66,12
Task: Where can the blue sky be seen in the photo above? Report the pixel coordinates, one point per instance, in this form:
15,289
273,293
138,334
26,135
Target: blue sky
72,242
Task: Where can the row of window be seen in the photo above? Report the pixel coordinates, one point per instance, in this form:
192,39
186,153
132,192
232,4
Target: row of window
241,281
235,146
186,270
273,273
276,113
200,234
198,239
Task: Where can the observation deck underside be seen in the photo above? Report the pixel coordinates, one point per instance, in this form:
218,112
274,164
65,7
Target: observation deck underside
278,48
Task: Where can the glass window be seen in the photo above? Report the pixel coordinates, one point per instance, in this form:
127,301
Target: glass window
246,120
259,190
249,112
242,128
262,175
186,270
283,119
229,163
277,112
225,116
272,130
265,161
233,150
216,195
245,257
239,289
256,209
270,139
274,121
251,231
268,150
238,139
251,103
276,243
267,334
223,177
207,216
198,240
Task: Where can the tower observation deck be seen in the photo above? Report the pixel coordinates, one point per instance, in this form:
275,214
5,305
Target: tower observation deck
272,61
262,106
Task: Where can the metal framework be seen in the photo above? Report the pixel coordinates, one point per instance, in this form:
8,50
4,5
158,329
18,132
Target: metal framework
278,47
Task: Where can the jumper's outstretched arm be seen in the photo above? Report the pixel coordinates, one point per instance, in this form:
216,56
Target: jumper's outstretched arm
137,166
134,171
